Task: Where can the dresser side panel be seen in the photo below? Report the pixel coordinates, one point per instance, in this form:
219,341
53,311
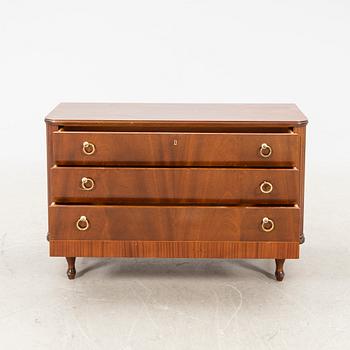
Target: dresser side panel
301,131
50,129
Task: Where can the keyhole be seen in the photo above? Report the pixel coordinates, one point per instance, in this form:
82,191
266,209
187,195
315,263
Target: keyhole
175,142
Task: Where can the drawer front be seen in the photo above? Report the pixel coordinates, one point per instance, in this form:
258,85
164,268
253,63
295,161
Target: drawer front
174,185
179,149
174,223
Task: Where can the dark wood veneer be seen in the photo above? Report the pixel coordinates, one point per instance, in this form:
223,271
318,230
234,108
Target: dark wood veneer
175,149
174,185
174,223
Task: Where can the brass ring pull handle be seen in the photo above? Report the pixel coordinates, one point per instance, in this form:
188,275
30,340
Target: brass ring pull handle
82,223
267,224
87,183
266,187
88,148
265,150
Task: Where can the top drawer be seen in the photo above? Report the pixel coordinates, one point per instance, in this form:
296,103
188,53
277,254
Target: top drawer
175,149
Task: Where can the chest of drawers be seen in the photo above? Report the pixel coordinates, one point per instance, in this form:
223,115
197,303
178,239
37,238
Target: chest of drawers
176,181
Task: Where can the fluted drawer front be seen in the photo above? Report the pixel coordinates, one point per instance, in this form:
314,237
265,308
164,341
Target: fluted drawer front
174,223
174,185
175,149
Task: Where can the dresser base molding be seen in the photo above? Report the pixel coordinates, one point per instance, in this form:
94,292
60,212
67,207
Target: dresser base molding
178,249
225,250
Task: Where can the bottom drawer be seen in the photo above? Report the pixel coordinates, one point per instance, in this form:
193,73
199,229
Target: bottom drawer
174,223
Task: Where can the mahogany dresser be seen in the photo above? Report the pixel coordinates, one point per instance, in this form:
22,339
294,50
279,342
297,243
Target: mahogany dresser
176,181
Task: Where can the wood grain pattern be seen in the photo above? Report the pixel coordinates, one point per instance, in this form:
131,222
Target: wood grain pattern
171,223
175,149
154,249
176,181
174,185
187,114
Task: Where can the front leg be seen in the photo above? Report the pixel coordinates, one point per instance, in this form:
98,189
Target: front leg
71,268
279,269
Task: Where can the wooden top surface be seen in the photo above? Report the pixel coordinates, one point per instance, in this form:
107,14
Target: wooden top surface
178,113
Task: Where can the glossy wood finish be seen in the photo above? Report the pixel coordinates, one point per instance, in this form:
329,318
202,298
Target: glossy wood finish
175,249
174,185
155,115
171,223
175,149
176,181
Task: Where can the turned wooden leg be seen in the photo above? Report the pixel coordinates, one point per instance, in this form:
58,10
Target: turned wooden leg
279,269
71,268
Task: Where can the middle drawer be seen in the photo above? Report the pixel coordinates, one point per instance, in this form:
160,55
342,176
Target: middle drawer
174,185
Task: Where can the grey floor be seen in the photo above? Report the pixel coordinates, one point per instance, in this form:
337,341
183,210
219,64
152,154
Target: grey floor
174,304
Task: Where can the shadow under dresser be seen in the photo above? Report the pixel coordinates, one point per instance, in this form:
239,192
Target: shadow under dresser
176,181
